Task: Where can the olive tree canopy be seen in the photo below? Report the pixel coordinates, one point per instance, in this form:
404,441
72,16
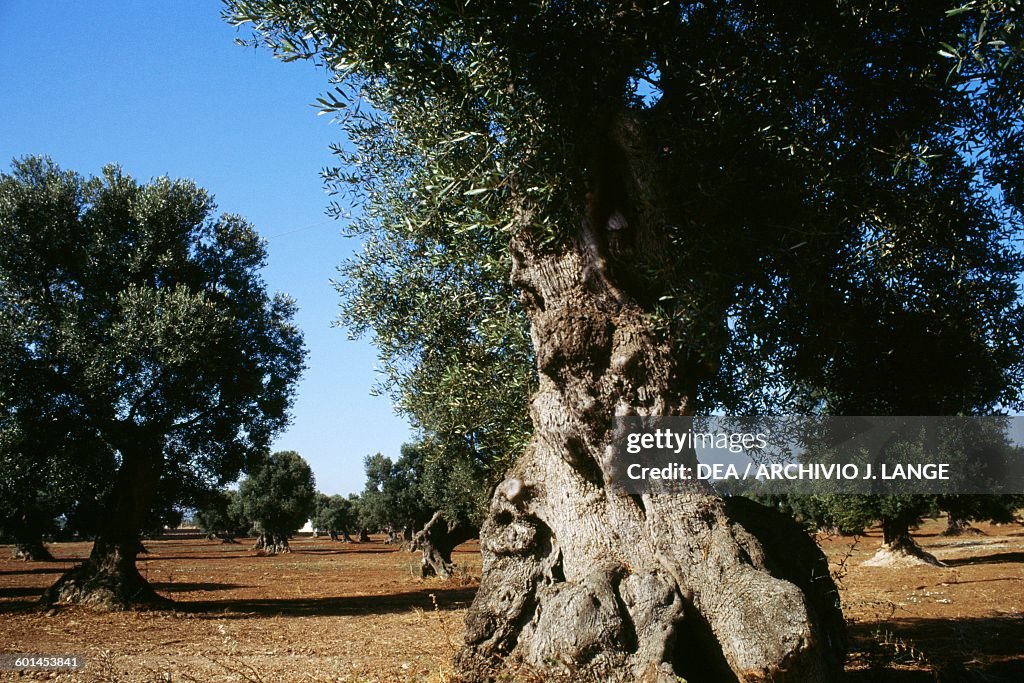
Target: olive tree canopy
278,498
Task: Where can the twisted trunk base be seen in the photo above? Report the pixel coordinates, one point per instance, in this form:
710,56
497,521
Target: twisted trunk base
272,544
585,584
902,553
107,580
898,548
436,541
32,551
961,527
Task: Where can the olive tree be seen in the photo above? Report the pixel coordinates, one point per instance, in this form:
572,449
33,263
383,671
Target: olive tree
136,331
698,205
391,499
220,515
278,498
336,515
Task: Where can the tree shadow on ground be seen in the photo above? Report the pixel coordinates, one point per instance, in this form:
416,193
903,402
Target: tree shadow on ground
426,599
186,587
188,558
997,579
21,591
343,550
348,549
994,558
34,592
914,649
51,569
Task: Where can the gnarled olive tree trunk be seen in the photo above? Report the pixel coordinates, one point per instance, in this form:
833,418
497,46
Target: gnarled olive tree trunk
956,525
436,541
581,581
272,543
28,536
109,578
29,528
32,550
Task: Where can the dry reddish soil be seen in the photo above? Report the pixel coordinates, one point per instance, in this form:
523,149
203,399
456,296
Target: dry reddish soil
357,612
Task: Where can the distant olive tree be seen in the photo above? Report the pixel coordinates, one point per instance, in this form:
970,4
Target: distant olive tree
391,499
220,516
133,317
278,498
336,515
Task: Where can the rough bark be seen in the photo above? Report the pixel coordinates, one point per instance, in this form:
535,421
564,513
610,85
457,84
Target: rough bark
32,551
436,541
898,548
109,579
583,583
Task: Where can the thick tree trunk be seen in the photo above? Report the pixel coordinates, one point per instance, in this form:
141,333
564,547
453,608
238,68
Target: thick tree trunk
583,583
109,578
406,539
32,551
436,541
898,548
364,537
958,526
28,534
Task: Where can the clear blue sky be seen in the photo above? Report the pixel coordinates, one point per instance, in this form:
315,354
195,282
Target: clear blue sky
161,89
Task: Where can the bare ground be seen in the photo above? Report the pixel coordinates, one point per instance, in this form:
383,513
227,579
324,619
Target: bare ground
358,613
